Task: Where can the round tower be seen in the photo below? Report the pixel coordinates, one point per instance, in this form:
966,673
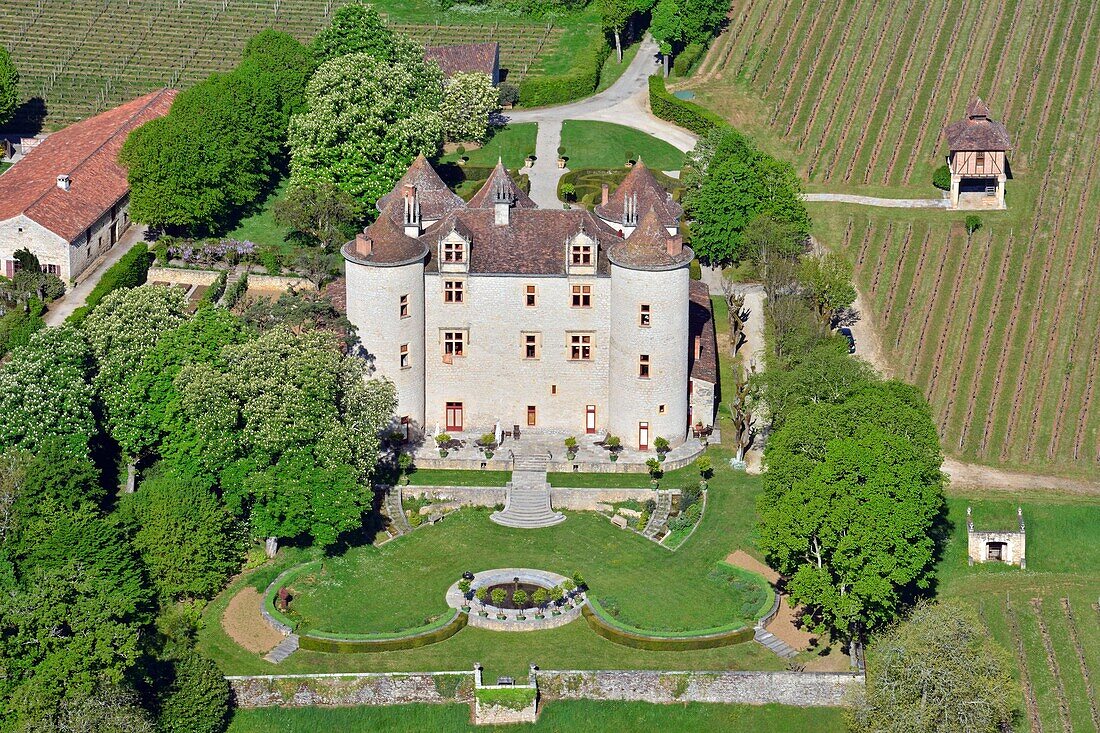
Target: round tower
648,394
384,268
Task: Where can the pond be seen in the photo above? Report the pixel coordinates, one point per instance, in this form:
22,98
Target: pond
684,94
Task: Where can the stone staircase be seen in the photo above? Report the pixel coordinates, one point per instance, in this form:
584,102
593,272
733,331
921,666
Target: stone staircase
528,502
395,511
286,647
659,518
773,642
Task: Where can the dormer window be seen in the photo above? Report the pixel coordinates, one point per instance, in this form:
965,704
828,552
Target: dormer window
454,252
580,255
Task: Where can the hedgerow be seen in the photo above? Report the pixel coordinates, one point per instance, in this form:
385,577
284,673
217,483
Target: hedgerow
130,271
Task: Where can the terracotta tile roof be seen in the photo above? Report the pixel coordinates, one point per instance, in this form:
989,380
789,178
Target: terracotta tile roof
464,57
532,243
435,198
389,245
486,195
701,325
650,195
88,153
650,246
977,131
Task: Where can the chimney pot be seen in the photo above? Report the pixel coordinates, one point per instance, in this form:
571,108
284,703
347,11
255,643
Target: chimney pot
64,181
363,245
605,193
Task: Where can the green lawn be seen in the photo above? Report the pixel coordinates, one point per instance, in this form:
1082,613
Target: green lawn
451,477
590,144
556,716
262,228
512,142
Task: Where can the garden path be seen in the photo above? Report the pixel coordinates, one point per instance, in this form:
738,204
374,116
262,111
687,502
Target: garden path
847,198
76,297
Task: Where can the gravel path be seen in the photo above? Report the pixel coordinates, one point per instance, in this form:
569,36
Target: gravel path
847,198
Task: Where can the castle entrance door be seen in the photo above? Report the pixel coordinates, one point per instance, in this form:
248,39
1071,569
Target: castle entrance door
454,417
590,419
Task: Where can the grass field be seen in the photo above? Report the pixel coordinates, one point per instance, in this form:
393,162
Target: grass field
512,143
83,56
999,331
590,144
556,716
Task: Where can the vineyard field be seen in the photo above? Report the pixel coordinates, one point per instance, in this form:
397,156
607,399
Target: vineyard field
998,329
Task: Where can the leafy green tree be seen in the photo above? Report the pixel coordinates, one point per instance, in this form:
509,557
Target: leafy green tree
937,672
827,281
320,210
114,708
826,374
185,536
615,15
299,311
284,66
667,28
702,19
356,28
365,122
469,98
197,700
121,332
765,238
33,282
9,86
44,392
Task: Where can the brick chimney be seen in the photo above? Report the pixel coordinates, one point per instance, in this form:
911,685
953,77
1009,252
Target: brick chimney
675,245
412,222
363,245
698,346
605,193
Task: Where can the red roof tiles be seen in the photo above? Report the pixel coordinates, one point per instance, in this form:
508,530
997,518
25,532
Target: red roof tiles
640,182
650,246
88,153
701,320
434,197
977,131
486,195
467,57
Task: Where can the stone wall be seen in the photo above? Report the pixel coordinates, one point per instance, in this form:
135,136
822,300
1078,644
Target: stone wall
803,689
351,689
575,499
183,275
278,283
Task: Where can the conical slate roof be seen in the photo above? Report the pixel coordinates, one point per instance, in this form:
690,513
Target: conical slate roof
650,247
640,186
435,199
486,195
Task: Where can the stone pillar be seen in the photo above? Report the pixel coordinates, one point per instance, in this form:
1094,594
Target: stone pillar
955,181
1001,191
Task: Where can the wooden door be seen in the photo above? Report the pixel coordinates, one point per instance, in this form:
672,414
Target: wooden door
643,436
590,419
454,417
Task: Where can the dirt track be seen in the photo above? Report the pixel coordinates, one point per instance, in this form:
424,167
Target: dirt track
244,624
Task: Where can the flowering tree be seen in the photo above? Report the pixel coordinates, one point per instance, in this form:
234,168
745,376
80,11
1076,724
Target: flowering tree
44,392
468,100
365,121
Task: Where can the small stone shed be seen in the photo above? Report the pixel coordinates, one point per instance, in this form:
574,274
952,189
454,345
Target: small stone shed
1007,546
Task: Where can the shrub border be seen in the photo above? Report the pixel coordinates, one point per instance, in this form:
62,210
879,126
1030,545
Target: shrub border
637,639
359,646
130,271
680,111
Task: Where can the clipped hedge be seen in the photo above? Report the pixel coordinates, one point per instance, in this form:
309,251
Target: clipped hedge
580,81
130,271
636,639
680,111
214,292
686,60
362,646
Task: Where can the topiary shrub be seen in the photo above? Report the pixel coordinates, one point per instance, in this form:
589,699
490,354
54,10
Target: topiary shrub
941,178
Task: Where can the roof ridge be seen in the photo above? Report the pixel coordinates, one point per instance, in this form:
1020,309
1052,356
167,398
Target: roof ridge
152,97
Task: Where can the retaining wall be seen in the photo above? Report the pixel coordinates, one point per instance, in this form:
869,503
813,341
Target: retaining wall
278,282
182,275
332,690
575,499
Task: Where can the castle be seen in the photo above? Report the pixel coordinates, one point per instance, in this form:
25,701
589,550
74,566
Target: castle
495,312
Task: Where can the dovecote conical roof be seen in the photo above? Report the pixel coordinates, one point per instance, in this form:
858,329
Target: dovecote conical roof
641,186
435,199
977,131
498,179
388,243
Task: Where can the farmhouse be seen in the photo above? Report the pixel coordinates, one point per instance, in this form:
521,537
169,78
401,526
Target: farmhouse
467,57
67,200
494,312
979,170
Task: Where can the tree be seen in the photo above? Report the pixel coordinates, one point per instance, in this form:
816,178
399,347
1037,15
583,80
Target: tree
121,331
702,19
766,238
365,122
318,209
937,672
300,311
616,14
827,282
667,28
33,282
973,223
355,28
114,708
197,700
9,86
469,98
285,66
184,535
44,392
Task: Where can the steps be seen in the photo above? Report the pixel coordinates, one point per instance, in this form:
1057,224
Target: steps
774,643
286,647
659,518
528,502
395,512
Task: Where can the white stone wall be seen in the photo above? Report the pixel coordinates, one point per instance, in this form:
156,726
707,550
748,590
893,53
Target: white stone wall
493,380
19,232
634,400
87,249
373,301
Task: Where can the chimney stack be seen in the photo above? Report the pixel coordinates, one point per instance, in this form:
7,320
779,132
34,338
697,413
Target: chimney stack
502,203
675,245
412,210
605,193
64,181
363,245
698,346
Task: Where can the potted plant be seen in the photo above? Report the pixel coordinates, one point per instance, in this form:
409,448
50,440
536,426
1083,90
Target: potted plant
462,157
498,595
613,445
568,191
481,594
442,441
530,160
655,471
661,446
561,157
464,587
571,447
488,444
630,159
540,598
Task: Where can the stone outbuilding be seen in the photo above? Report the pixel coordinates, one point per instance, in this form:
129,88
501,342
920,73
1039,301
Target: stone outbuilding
1007,546
67,201
979,168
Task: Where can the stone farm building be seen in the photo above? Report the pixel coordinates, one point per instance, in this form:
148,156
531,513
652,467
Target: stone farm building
495,312
67,200
467,57
979,169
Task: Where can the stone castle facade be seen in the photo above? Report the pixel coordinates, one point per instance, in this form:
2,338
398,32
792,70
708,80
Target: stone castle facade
495,312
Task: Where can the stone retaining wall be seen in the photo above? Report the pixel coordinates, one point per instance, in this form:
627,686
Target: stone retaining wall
576,499
278,283
185,276
464,495
803,689
333,690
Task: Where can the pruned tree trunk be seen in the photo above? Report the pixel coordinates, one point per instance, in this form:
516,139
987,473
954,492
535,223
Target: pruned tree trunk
131,478
271,546
666,58
618,46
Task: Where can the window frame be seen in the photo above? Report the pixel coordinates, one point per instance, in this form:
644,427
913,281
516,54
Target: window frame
580,254
531,344
644,367
645,315
532,416
403,357
580,346
456,340
454,292
581,296
530,296
454,253
403,306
